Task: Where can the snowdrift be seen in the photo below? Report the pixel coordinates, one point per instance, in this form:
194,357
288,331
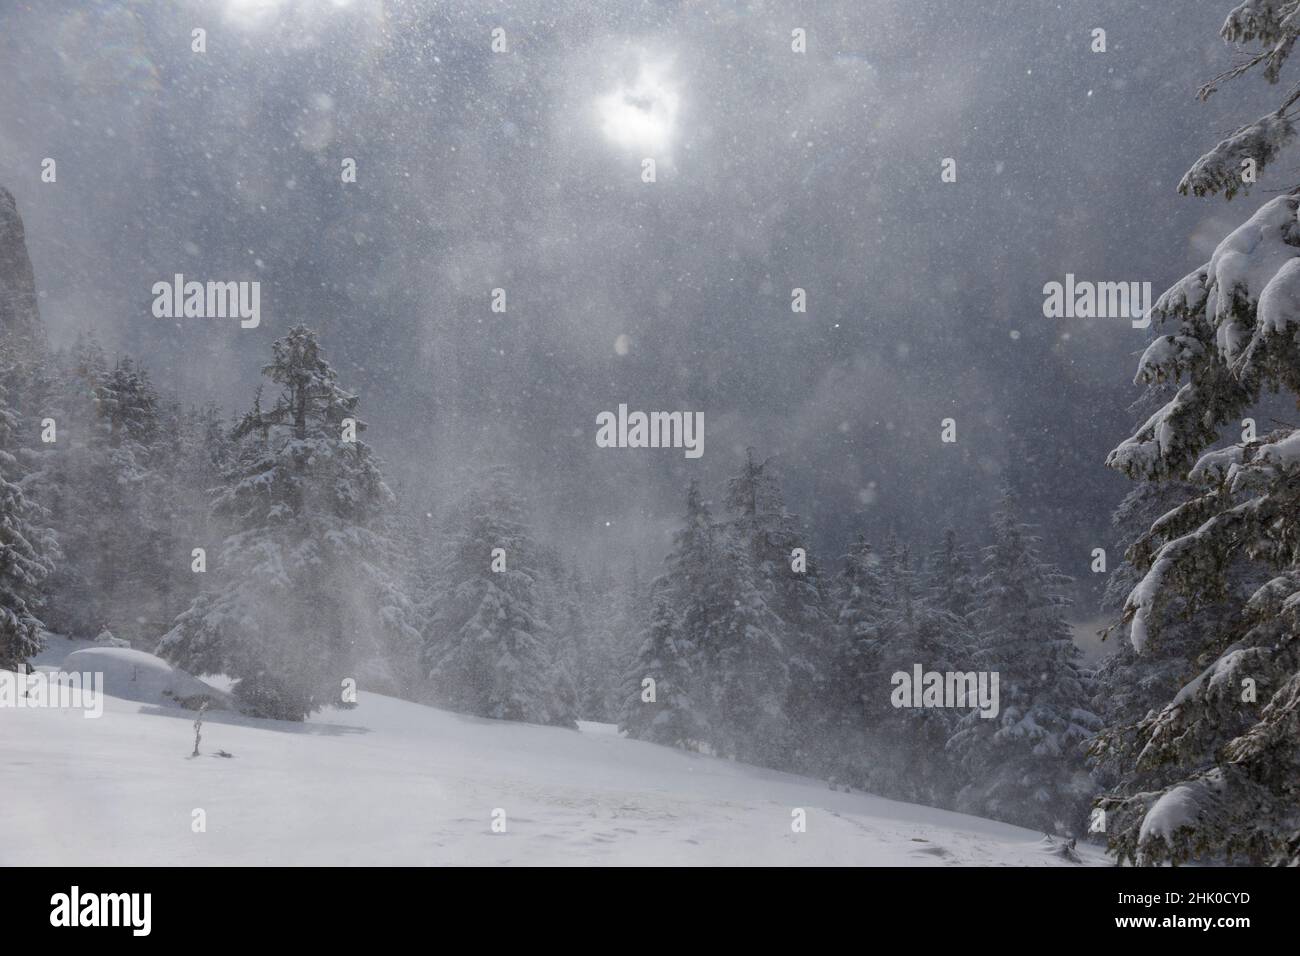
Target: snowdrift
135,675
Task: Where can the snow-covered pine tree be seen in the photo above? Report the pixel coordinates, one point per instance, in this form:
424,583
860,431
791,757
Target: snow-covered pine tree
776,618
905,754
859,592
633,610
1026,764
745,666
757,517
726,640
1227,743
22,334
812,641
564,624
195,455
137,451
26,547
103,483
672,717
298,600
672,647
1129,684
950,577
488,650
791,583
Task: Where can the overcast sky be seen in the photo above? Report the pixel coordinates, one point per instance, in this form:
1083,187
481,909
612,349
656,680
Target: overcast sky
522,170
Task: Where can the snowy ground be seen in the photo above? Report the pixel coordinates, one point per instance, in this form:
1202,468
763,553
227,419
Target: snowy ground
392,782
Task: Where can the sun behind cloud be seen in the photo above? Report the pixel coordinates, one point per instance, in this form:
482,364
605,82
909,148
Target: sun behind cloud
642,114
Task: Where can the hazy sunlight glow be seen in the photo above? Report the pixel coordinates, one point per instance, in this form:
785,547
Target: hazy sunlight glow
642,115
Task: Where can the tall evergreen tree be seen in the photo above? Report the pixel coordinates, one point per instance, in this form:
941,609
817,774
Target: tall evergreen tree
744,662
950,577
774,620
903,754
1129,685
26,548
812,644
565,623
300,597
489,650
103,481
859,600
790,583
1224,749
672,717
193,459
689,589
1026,764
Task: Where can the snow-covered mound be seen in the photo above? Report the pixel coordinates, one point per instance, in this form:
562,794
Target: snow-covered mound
391,782
135,675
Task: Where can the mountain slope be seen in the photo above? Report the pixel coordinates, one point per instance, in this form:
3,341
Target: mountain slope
396,782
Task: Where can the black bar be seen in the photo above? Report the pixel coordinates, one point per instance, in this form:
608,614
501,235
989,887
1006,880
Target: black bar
1074,903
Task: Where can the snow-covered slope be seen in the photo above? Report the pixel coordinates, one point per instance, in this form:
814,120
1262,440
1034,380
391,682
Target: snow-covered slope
396,782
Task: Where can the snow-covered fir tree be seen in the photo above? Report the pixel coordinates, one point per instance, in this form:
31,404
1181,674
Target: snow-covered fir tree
858,599
26,546
1026,764
726,640
561,611
663,712
1128,684
671,651
904,754
772,614
791,584
103,482
195,454
745,666
1218,766
300,597
488,649
812,643
621,642
950,577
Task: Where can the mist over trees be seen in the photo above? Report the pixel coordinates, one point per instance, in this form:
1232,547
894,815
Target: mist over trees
289,566
879,575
